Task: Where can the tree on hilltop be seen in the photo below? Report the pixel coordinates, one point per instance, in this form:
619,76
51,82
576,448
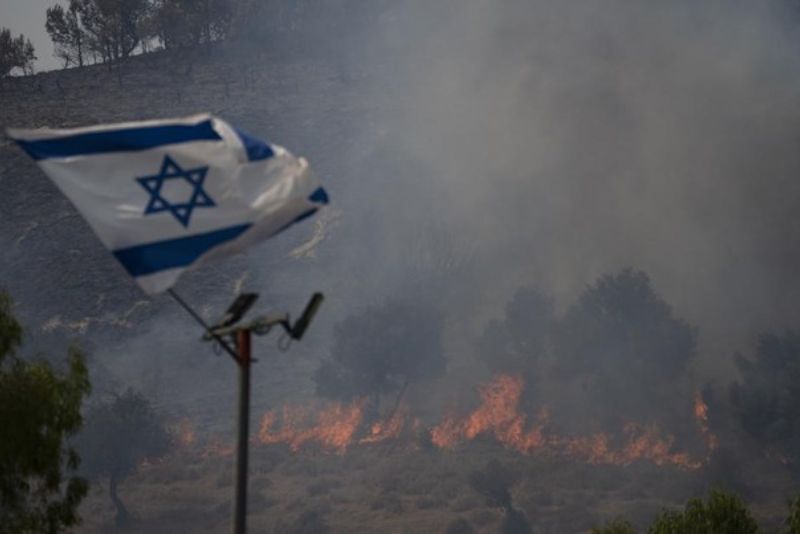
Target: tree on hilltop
40,409
185,23
15,53
108,30
68,32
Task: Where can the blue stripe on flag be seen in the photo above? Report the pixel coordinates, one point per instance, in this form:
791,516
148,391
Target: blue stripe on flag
124,140
320,196
256,148
171,253
302,216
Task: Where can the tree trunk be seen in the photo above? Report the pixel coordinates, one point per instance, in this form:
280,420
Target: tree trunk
122,513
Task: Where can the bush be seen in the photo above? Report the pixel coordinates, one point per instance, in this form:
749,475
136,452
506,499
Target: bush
616,526
793,521
721,513
766,401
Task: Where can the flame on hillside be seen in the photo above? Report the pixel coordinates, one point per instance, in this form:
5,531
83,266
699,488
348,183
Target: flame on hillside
335,427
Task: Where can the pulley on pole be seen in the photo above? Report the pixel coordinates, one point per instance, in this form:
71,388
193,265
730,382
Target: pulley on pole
227,330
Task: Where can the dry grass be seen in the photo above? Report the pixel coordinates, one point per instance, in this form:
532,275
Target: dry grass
375,489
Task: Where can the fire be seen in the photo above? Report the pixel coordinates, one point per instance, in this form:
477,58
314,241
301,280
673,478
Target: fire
185,434
335,427
216,448
499,415
388,429
701,418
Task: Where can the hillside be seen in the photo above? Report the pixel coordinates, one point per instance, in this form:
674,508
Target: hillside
66,285
484,162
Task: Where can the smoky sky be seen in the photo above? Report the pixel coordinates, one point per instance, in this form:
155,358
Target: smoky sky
551,142
472,147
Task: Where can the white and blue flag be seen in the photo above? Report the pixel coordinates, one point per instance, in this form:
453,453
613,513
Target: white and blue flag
166,195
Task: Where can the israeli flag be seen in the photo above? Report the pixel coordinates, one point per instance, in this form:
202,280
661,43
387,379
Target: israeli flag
166,195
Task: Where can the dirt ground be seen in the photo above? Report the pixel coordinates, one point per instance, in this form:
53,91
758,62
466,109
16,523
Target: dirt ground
391,489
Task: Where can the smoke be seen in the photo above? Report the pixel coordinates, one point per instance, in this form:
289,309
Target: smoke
556,141
471,148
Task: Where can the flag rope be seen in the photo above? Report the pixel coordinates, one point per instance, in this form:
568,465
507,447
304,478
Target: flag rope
196,316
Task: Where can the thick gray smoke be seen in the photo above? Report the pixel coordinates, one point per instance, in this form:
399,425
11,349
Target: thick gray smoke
472,147
550,142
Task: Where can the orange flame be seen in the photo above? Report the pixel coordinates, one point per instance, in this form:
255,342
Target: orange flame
701,417
333,429
184,431
215,447
387,429
499,415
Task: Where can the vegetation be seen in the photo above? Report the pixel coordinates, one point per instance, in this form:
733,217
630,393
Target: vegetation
15,53
494,484
382,349
523,338
121,434
722,512
40,408
793,521
111,30
766,401
615,526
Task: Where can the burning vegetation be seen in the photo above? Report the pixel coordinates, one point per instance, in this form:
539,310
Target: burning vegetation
337,427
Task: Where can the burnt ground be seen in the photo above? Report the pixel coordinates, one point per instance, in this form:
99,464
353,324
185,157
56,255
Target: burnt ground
394,488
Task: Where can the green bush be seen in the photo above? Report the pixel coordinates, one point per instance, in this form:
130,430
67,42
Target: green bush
793,521
617,526
722,512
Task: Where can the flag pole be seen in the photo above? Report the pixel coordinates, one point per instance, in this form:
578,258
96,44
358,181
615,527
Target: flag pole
243,434
241,355
242,334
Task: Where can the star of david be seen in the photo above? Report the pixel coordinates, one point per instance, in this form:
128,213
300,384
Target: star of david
182,211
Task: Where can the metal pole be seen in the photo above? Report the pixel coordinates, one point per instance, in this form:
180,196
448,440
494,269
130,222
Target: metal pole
240,502
202,323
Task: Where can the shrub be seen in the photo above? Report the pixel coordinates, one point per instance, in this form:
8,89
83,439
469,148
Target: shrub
615,526
722,512
793,521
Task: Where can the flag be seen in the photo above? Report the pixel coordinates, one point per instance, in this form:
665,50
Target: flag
166,195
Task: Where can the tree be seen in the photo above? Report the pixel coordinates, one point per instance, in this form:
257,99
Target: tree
183,23
382,349
627,353
40,409
66,29
722,512
105,29
119,435
15,53
766,401
522,339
